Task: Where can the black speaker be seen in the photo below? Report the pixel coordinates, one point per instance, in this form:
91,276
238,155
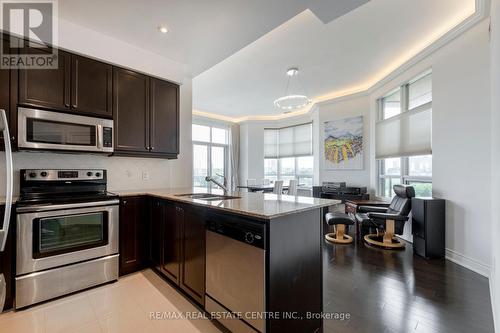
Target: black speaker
428,227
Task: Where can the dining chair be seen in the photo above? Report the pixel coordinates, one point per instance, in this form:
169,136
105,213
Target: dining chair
278,187
292,187
266,182
251,182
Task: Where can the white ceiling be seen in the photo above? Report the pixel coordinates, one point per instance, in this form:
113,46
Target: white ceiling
202,32
346,54
239,49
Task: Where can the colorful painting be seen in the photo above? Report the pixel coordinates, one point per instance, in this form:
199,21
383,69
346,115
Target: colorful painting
344,144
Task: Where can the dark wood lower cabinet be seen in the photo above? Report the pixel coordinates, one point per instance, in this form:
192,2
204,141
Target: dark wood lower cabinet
178,246
7,259
157,215
193,254
172,233
133,232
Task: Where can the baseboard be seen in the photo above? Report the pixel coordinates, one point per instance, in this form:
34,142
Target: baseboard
493,306
468,263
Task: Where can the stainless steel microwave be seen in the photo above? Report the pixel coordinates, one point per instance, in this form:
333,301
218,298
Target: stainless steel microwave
49,130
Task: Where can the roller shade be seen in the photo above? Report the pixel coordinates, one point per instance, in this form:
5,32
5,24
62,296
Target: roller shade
288,141
407,134
271,143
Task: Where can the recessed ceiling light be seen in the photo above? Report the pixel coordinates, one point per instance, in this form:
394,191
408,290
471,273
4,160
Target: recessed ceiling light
163,29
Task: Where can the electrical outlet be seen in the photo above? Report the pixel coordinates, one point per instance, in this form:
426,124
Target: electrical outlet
145,175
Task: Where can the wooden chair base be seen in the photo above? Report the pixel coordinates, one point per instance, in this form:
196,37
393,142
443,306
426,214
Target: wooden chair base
385,240
332,237
339,236
382,241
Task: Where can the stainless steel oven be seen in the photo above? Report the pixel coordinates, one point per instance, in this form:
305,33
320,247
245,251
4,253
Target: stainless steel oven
49,130
65,241
58,235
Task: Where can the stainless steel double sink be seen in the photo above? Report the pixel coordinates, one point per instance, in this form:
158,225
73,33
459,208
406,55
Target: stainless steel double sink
207,196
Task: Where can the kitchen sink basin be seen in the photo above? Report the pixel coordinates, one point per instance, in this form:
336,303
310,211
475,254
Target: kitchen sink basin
207,196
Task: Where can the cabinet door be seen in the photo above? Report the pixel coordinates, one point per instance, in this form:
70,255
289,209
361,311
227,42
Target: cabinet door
132,234
193,255
164,129
7,259
130,111
47,88
156,234
172,227
91,86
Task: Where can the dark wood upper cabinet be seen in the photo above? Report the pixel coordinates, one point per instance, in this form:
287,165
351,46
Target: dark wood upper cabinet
8,96
133,228
4,98
91,86
164,128
130,111
193,255
79,85
172,231
146,115
145,110
47,88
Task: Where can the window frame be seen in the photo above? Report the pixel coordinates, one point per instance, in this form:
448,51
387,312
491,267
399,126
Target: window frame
404,176
209,146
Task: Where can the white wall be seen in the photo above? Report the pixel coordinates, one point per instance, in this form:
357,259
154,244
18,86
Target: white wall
495,160
341,109
252,145
96,45
123,172
461,142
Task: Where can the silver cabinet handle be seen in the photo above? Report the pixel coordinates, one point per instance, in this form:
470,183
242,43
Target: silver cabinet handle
9,175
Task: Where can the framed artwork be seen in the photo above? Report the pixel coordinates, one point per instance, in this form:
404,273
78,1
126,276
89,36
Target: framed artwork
343,144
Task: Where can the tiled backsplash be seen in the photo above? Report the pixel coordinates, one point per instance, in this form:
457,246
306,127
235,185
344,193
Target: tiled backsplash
123,172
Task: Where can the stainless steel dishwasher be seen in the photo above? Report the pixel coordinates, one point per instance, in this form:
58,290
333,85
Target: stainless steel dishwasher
235,274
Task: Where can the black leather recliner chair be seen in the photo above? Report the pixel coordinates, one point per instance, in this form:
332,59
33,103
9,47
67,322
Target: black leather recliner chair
387,221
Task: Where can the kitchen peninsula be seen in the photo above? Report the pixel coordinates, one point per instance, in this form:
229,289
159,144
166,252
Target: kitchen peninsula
255,255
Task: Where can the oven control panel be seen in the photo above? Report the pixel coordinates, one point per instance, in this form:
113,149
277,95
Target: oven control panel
62,175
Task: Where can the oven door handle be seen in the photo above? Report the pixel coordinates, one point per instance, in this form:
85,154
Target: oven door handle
43,208
9,174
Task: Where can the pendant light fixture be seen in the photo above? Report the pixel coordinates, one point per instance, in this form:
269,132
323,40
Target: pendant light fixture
292,100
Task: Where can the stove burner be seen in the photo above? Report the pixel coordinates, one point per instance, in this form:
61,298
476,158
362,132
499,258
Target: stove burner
63,186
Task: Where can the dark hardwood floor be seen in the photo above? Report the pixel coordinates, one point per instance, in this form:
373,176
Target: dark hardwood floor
386,291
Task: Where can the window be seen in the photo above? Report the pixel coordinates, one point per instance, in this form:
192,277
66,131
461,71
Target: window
415,171
403,138
392,104
210,154
300,168
288,154
271,168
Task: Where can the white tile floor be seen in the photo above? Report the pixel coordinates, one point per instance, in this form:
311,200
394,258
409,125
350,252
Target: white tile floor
122,307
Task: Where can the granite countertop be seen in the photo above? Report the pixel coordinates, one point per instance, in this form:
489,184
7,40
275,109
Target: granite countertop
258,205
